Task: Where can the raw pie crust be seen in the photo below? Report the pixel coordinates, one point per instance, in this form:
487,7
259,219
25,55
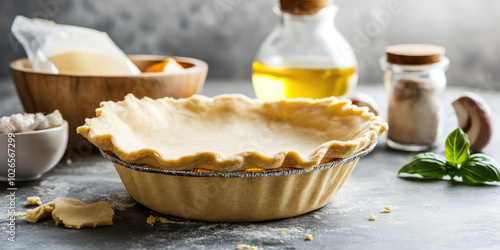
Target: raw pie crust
231,132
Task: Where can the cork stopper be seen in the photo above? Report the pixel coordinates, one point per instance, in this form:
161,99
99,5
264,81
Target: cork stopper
303,7
414,54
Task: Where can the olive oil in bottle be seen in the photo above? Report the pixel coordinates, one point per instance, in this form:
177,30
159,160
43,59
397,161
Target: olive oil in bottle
274,83
305,55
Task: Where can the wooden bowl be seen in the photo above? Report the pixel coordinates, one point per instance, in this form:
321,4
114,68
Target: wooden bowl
77,96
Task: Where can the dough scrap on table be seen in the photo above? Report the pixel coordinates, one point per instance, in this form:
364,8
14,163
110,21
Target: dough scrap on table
73,213
16,214
163,220
245,246
151,220
309,237
34,200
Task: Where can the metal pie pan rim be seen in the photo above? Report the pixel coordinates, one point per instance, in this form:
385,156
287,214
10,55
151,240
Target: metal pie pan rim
331,164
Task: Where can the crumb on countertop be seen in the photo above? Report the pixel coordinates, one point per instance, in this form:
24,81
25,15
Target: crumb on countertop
151,220
163,220
16,214
283,231
34,200
245,246
69,161
308,237
387,209
343,211
372,217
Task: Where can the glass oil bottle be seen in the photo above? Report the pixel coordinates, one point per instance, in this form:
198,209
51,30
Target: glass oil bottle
305,55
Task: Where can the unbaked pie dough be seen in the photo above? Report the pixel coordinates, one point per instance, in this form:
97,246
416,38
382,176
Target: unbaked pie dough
73,213
231,132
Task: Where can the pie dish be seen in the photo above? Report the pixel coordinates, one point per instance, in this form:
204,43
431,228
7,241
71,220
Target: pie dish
235,196
232,158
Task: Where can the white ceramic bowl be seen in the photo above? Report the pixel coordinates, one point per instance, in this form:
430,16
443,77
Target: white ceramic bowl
36,152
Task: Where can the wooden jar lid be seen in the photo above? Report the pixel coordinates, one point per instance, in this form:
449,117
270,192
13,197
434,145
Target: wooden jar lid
414,54
303,7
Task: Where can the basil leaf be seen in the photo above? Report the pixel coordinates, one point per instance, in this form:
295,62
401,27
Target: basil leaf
479,169
457,147
427,165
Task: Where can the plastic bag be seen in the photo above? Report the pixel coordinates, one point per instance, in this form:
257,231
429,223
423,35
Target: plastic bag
55,48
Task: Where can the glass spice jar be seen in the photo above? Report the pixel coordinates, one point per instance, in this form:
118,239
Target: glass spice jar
305,55
414,81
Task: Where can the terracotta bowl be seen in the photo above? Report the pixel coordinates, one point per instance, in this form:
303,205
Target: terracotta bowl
77,96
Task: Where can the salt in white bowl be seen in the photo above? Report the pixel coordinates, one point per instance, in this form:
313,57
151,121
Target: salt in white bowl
35,152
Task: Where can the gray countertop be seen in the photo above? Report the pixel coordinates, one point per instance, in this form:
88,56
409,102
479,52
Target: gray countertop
425,214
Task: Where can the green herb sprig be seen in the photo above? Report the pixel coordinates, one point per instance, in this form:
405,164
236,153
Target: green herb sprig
474,169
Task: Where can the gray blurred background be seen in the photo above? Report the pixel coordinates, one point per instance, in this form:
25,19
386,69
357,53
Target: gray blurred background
227,33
